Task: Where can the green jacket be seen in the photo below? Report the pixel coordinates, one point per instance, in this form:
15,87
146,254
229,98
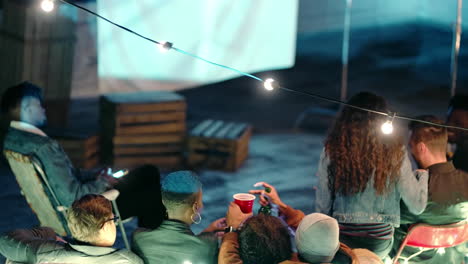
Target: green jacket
447,203
38,245
174,242
67,182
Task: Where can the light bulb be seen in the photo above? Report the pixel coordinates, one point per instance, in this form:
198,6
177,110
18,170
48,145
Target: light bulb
187,262
164,46
269,84
47,5
441,251
387,127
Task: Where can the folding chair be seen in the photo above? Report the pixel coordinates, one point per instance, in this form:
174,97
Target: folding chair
42,200
430,237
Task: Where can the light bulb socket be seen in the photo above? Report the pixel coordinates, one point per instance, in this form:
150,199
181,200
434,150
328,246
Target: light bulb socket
166,45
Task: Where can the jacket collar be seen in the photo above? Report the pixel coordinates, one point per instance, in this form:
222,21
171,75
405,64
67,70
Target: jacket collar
93,250
444,167
176,225
27,127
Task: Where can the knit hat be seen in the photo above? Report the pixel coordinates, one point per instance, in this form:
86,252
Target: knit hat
317,238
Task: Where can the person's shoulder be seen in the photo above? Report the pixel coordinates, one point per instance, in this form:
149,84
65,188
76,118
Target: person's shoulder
32,138
129,256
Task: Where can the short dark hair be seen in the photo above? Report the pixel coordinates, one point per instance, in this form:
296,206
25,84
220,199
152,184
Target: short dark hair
180,188
459,101
435,137
87,215
13,96
264,239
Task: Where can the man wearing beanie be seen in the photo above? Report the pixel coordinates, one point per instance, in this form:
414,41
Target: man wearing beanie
317,241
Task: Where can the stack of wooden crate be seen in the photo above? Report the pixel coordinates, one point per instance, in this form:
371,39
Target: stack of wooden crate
81,147
143,128
217,144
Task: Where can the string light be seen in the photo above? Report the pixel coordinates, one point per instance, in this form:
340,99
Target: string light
164,46
441,251
270,85
47,5
387,127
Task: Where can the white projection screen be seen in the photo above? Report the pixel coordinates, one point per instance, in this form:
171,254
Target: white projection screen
250,35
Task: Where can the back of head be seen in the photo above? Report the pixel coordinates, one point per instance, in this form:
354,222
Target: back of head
434,137
87,215
264,239
179,189
13,96
317,238
358,150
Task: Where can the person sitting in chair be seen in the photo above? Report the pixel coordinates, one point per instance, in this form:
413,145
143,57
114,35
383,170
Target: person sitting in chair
91,223
140,193
447,193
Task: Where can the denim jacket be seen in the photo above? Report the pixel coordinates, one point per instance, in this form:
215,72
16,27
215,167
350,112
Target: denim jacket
66,181
367,206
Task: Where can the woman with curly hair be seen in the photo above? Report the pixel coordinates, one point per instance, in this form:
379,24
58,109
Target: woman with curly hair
363,176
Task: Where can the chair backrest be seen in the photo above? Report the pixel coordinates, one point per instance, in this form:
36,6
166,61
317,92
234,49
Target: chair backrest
441,236
34,190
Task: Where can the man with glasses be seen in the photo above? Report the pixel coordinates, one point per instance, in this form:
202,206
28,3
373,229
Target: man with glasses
92,226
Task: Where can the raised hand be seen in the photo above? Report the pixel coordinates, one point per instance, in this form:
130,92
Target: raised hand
272,195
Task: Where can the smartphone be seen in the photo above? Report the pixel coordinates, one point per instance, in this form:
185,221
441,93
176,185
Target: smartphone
120,173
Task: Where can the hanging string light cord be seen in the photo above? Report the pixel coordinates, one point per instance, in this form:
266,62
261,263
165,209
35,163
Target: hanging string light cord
317,96
328,99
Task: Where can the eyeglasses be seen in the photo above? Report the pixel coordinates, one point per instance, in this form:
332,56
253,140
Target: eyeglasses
115,219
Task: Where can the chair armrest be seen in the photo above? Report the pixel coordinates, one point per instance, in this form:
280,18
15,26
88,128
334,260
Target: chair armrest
111,195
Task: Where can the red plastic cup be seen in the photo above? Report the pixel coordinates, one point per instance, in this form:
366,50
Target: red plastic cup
245,201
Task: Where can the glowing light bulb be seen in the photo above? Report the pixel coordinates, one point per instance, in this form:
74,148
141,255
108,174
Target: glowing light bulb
187,262
270,84
47,5
441,251
387,127
164,46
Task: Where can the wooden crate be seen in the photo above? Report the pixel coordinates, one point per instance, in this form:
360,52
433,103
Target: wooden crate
219,144
38,47
82,148
143,127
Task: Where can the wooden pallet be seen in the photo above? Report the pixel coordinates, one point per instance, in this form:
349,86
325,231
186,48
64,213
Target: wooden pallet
82,148
143,127
219,144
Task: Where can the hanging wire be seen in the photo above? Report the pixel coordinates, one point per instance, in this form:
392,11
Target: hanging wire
317,96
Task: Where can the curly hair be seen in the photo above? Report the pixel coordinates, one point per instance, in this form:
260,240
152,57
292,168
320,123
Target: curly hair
358,151
264,239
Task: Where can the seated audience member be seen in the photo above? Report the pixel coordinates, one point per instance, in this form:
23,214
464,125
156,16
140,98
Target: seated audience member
91,223
139,190
262,239
363,175
317,241
447,190
173,241
316,236
458,116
